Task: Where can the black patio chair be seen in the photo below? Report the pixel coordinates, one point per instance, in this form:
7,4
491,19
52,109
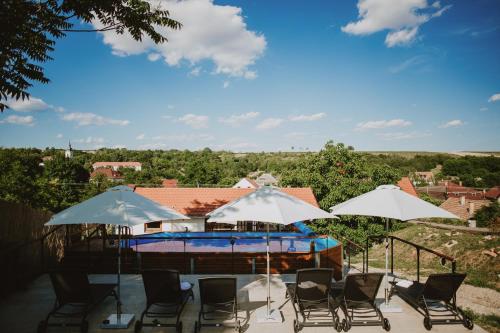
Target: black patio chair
218,302
310,296
75,297
358,301
436,298
164,299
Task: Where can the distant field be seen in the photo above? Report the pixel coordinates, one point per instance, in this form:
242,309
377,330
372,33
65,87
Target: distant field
411,154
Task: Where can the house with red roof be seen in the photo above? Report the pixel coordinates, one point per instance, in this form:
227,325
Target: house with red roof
114,176
246,183
197,202
406,185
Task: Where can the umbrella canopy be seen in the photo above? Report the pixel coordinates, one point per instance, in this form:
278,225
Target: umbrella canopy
390,202
269,205
119,205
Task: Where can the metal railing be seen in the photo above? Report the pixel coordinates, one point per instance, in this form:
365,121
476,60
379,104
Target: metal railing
419,248
349,247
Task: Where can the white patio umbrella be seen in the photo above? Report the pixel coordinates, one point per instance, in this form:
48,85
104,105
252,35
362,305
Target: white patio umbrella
390,202
267,205
119,206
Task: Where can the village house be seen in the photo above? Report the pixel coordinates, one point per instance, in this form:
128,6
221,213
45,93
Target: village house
197,202
246,183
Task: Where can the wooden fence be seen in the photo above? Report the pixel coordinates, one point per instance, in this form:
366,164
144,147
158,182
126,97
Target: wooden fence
25,245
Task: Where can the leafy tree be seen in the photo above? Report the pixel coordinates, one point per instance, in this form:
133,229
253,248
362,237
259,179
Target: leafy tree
19,170
488,215
63,183
337,174
30,28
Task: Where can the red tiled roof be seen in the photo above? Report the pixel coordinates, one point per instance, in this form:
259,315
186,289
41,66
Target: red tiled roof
200,201
493,193
169,183
108,172
454,206
116,164
406,185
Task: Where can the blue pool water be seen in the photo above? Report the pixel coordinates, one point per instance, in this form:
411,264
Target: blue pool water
231,241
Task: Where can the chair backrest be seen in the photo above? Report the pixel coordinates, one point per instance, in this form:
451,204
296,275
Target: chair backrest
362,287
313,284
162,286
71,287
217,290
442,287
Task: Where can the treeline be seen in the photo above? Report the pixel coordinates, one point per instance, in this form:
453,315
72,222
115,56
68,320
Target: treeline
62,182
45,179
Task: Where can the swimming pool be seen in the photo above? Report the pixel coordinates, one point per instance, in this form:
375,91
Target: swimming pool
280,242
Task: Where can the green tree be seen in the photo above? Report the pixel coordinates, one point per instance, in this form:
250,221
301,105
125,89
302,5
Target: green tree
19,170
337,174
30,28
63,183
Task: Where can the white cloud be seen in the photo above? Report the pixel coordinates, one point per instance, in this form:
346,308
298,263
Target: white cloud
269,123
308,117
59,109
154,56
170,107
238,119
408,63
90,140
402,18
59,136
195,71
403,135
483,109
225,84
187,137
494,98
19,120
377,124
86,119
140,136
194,121
453,123
401,37
27,105
209,32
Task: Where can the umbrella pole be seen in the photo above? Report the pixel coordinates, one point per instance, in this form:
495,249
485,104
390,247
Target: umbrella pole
268,276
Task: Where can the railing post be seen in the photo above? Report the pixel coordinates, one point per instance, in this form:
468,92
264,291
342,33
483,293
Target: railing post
392,256
418,264
453,266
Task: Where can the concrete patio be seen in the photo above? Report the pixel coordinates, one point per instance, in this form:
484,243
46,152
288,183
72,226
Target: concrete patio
22,311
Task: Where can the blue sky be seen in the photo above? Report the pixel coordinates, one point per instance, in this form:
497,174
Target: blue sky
262,75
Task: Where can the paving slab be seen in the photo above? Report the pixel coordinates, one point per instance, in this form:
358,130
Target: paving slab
21,311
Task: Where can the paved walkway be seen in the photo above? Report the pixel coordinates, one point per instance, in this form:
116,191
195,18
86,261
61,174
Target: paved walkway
22,311
480,300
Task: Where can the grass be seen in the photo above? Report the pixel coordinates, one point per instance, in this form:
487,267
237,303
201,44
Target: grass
481,269
490,323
